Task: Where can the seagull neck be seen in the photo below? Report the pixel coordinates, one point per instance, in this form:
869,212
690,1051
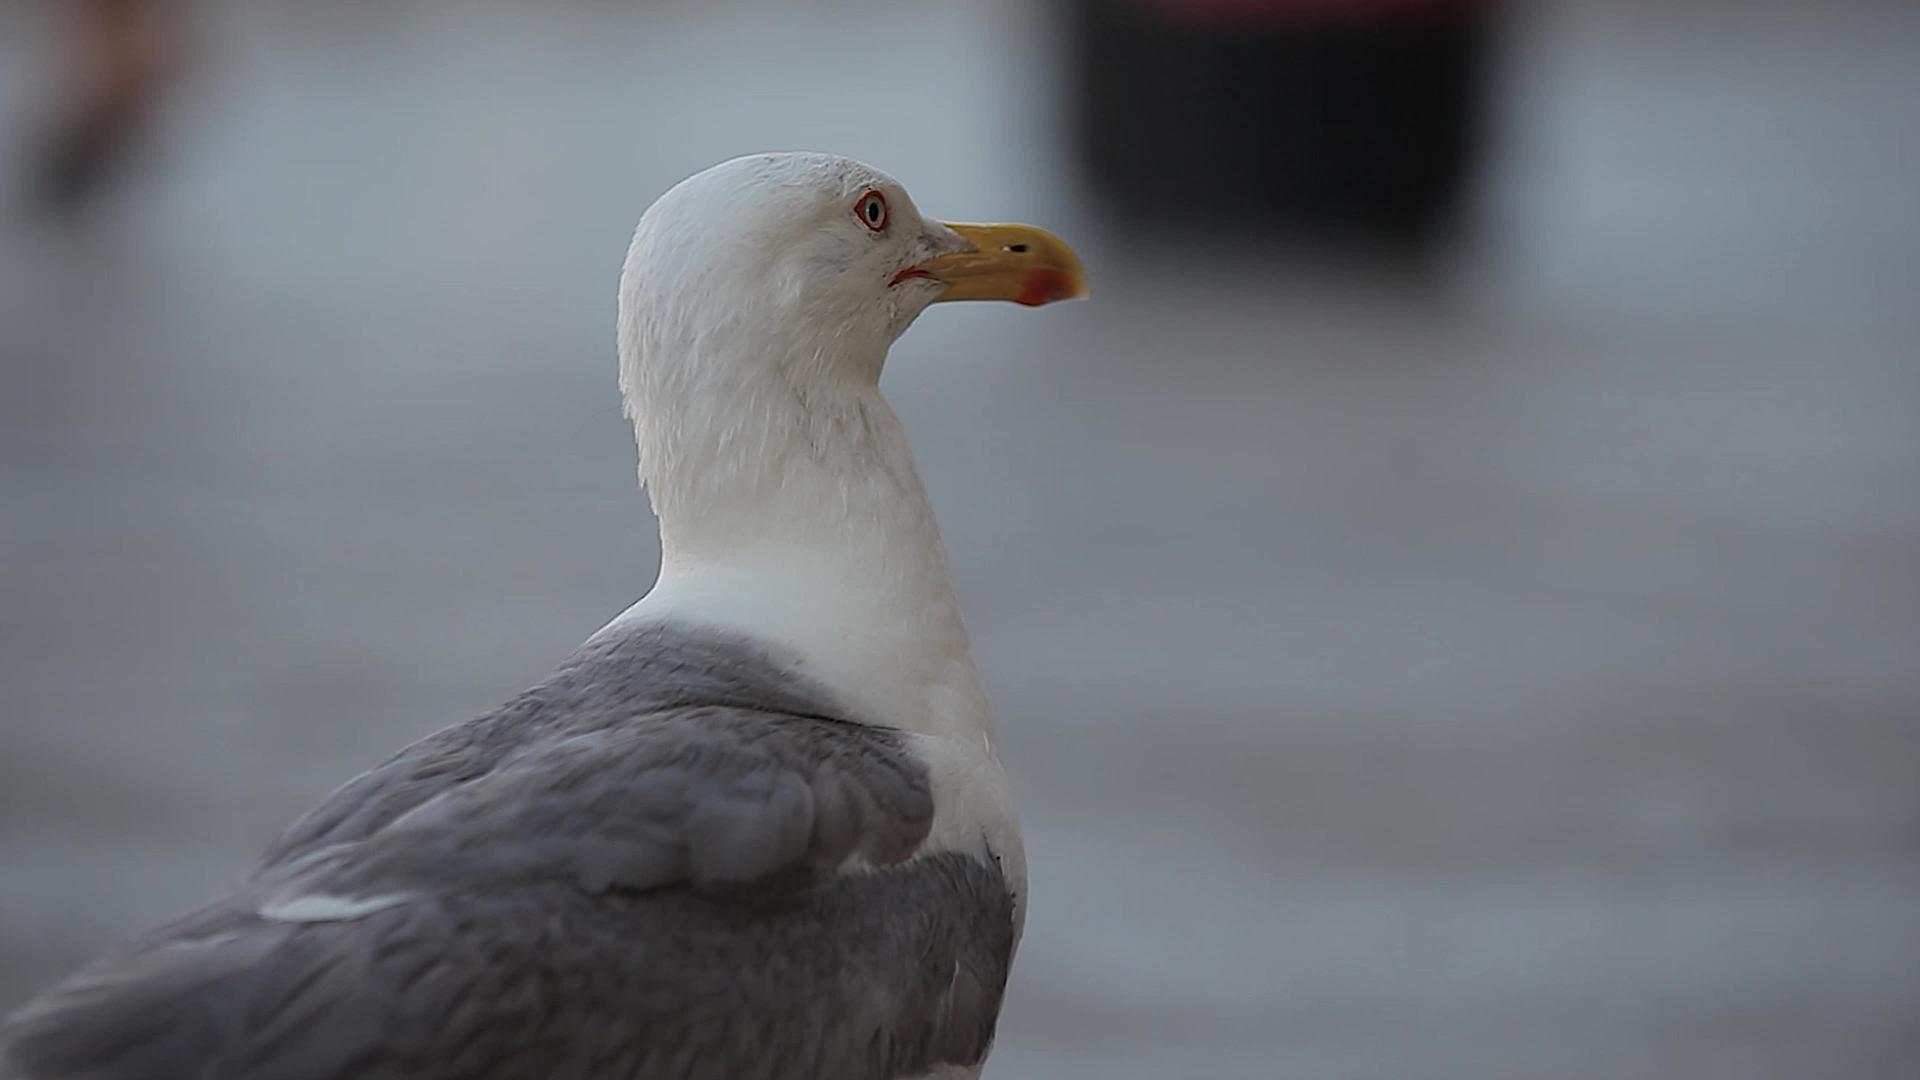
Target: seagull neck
820,540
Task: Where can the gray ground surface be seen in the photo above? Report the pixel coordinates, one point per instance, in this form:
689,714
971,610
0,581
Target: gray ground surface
1515,676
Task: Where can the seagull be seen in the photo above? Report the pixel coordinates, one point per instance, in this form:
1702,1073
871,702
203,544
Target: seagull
755,827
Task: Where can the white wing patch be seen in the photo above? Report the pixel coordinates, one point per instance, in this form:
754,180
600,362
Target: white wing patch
319,907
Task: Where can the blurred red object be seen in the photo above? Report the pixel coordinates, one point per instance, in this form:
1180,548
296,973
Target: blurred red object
1244,12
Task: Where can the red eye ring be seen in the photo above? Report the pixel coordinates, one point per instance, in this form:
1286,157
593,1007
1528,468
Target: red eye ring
871,209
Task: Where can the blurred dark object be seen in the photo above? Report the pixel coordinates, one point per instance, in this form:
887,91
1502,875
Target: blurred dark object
1334,120
121,54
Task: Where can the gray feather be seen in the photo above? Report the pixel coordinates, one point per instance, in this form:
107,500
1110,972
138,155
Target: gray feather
633,870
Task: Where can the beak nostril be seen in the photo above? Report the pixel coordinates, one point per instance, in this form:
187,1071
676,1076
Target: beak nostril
1008,262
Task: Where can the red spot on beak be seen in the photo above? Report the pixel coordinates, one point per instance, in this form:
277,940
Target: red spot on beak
1044,285
909,272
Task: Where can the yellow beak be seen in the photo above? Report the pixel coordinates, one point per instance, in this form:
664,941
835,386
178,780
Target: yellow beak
1008,262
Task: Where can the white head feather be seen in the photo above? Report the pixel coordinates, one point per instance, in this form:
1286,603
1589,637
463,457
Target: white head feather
756,311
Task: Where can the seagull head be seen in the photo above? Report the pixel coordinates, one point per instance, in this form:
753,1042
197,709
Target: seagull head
828,254
761,296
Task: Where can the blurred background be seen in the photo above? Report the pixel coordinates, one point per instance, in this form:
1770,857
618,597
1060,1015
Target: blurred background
1453,595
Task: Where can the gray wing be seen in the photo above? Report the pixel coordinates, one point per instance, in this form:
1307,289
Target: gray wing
613,876
707,796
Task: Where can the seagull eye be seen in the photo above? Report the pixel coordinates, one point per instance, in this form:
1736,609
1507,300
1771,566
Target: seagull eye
871,209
